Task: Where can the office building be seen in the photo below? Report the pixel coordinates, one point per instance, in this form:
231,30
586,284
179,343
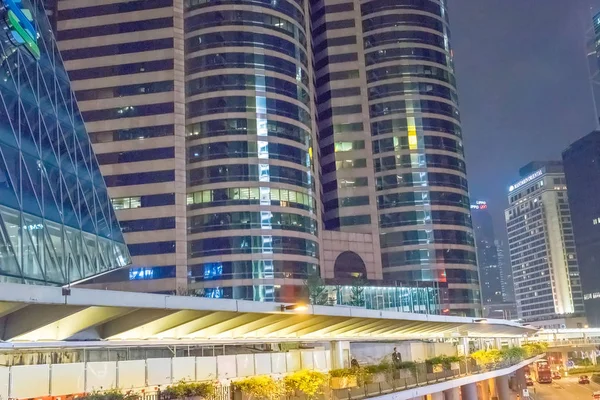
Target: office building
487,254
506,275
582,170
57,225
391,150
542,246
219,166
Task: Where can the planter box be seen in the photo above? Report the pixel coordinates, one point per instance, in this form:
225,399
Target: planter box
455,365
378,378
344,382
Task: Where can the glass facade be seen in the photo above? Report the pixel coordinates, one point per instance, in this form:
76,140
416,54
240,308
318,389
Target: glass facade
405,102
252,191
57,224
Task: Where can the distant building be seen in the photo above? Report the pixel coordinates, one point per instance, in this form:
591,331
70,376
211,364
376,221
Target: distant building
506,276
542,246
487,254
582,170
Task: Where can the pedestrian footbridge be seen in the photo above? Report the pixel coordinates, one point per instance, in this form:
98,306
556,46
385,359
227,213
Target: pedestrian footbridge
30,314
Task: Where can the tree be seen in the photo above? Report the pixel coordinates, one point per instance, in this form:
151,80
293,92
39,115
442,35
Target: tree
317,291
357,292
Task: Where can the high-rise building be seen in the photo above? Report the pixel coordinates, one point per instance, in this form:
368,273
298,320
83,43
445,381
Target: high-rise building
392,158
506,275
57,225
582,170
125,60
487,254
541,244
218,166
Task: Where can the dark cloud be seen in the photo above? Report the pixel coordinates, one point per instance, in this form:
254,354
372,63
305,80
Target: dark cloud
523,84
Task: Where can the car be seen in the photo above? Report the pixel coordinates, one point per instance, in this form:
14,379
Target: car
556,375
584,380
596,395
529,381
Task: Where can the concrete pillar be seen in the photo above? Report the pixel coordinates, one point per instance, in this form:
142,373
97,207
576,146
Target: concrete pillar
498,343
502,388
565,357
592,357
493,389
469,392
466,345
337,354
484,390
521,381
437,396
452,394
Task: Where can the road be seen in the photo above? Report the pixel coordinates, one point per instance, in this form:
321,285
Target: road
563,389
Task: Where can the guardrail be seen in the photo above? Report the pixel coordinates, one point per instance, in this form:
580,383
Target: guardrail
417,379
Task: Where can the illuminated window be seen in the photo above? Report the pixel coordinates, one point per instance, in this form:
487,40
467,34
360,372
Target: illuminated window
127,202
349,146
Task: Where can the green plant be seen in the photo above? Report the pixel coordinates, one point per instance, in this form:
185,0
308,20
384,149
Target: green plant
584,370
408,365
309,382
513,354
444,361
342,372
111,394
486,357
357,291
533,349
261,387
183,389
317,291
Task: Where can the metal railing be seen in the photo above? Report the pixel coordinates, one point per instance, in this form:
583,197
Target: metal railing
388,385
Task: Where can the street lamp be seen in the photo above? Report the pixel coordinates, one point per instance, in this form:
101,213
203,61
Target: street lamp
294,307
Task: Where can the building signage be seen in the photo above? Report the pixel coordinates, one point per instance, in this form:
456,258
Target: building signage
21,30
479,205
522,182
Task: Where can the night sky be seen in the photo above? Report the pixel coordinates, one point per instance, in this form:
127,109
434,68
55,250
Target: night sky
523,85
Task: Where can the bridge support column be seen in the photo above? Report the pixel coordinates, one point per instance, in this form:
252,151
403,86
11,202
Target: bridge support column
483,389
469,392
338,359
437,396
452,394
520,380
502,388
493,389
592,357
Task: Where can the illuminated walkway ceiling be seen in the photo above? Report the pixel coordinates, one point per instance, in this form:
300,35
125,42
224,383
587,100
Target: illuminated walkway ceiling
37,313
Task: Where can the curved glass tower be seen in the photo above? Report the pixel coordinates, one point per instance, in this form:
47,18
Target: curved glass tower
252,209
391,141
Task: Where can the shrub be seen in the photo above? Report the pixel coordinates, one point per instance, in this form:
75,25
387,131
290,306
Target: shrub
533,349
261,387
342,372
408,365
183,389
514,354
111,394
309,382
486,357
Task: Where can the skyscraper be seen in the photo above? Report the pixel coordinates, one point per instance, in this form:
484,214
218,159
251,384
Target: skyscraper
541,243
582,171
487,254
283,100
125,61
57,225
392,158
